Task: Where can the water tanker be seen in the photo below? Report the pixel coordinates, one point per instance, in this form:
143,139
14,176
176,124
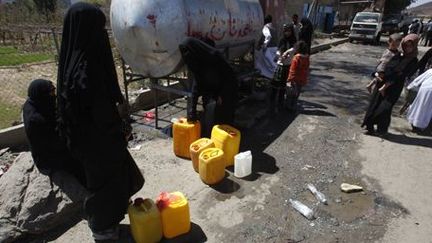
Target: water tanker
148,32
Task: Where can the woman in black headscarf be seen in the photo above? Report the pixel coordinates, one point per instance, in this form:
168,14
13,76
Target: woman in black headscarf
48,151
306,31
386,94
214,80
88,93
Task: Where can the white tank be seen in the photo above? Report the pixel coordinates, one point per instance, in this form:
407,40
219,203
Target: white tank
148,32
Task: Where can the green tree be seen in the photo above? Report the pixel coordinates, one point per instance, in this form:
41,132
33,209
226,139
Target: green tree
46,7
395,6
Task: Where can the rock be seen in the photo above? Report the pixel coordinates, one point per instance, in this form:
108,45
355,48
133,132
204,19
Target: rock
334,222
3,151
345,187
32,203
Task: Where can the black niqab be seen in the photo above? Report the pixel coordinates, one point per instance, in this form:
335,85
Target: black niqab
39,95
86,64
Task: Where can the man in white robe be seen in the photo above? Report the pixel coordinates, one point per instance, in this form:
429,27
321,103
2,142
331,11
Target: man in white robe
420,112
265,59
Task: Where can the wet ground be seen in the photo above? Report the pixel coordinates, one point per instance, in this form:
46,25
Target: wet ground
319,144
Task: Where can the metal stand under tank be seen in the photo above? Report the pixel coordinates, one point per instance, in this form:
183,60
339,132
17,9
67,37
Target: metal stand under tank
177,85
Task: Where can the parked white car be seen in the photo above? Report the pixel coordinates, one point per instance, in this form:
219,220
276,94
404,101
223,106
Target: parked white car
366,26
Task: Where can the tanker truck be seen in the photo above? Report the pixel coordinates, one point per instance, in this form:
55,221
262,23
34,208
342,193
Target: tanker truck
148,32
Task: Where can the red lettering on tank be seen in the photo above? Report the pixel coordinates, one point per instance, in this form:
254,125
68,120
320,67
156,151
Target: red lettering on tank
216,35
231,25
152,19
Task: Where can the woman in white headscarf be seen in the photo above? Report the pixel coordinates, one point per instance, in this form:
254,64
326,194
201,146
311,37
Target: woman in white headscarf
420,112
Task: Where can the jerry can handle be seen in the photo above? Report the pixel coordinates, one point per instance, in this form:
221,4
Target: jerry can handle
214,153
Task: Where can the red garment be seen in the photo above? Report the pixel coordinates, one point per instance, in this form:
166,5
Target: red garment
299,69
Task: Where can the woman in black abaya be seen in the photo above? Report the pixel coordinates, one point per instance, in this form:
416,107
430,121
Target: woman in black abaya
48,151
214,80
88,93
383,99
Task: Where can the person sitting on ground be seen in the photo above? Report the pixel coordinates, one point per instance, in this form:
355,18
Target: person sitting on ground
49,152
285,54
214,80
298,74
393,45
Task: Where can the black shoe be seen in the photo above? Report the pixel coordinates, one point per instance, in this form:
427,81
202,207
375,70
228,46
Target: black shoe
382,134
415,129
370,132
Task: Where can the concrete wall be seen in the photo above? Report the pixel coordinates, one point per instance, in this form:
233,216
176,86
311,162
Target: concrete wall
297,6
282,10
13,137
276,8
348,11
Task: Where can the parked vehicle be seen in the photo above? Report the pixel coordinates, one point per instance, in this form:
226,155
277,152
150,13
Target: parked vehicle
405,23
392,23
366,26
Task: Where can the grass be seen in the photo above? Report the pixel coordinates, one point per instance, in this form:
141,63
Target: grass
8,114
7,50
10,56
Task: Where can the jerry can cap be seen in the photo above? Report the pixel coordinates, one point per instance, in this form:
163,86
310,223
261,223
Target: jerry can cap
166,199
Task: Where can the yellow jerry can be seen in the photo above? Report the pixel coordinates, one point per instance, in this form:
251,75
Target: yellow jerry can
196,148
227,138
185,133
175,215
145,221
212,165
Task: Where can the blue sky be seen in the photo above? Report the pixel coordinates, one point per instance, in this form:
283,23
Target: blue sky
419,2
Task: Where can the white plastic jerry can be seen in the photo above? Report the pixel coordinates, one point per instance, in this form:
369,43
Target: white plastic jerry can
243,164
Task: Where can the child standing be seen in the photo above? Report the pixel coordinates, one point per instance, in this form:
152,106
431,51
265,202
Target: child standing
393,45
298,74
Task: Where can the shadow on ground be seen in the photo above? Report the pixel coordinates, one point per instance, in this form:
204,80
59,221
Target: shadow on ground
338,92
259,137
403,139
196,234
53,234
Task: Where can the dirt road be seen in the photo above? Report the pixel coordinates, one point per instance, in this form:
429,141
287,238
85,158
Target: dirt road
321,144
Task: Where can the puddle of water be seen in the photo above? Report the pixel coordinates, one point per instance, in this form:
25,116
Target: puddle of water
349,206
